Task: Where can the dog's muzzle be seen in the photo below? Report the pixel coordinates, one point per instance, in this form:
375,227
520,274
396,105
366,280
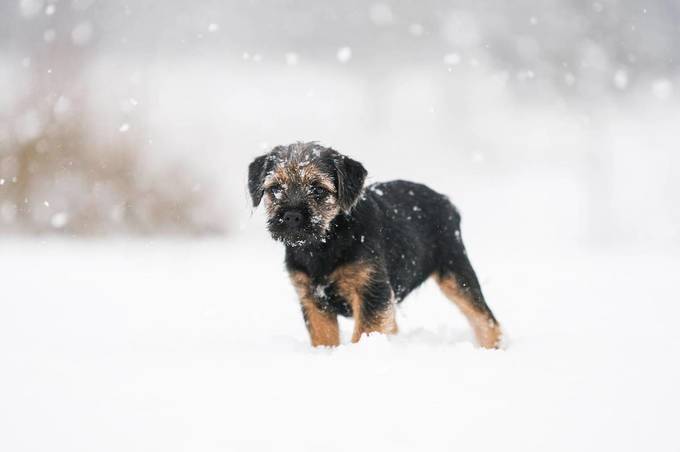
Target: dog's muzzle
292,220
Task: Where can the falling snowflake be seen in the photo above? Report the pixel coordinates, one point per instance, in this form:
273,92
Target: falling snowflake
292,58
344,54
451,59
81,34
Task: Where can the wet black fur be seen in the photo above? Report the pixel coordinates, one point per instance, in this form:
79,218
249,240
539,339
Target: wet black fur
404,230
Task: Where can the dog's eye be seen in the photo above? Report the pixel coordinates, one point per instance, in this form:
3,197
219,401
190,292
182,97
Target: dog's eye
276,191
318,191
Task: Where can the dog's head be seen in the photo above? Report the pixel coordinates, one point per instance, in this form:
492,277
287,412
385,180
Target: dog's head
304,187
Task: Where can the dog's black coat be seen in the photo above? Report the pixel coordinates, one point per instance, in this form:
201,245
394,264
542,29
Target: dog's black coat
405,230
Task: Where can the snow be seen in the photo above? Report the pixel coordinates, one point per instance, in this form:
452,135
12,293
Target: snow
59,220
381,14
292,58
662,88
621,79
28,126
49,35
30,8
8,212
81,5
416,29
201,346
344,54
461,29
451,59
82,33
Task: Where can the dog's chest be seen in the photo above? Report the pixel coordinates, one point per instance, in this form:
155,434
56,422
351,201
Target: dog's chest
328,299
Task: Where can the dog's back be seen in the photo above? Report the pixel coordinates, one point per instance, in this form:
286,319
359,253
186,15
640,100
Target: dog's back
417,229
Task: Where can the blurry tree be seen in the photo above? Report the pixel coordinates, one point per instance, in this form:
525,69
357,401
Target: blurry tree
57,173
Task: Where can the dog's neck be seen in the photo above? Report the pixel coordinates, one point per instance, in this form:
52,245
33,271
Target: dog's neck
324,254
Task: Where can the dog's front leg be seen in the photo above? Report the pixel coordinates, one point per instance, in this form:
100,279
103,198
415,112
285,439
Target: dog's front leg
321,325
365,286
373,314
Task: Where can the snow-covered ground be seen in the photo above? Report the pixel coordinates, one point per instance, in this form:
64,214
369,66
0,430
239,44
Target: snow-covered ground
199,345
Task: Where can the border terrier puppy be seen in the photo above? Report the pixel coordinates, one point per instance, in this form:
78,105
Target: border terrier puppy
358,252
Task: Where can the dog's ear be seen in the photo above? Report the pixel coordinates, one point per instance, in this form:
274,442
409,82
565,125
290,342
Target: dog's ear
350,176
257,171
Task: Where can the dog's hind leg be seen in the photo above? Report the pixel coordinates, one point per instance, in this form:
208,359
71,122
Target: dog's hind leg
459,283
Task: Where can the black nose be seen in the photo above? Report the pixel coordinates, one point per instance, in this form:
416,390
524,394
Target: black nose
292,219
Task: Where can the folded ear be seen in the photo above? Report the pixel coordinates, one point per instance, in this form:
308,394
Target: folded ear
257,171
350,181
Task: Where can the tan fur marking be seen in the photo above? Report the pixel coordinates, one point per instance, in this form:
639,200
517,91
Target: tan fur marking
487,331
322,326
350,280
326,182
307,174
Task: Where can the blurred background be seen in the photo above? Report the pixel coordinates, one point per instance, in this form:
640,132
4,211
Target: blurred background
546,122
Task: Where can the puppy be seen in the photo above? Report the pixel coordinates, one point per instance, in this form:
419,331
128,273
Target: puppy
356,251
